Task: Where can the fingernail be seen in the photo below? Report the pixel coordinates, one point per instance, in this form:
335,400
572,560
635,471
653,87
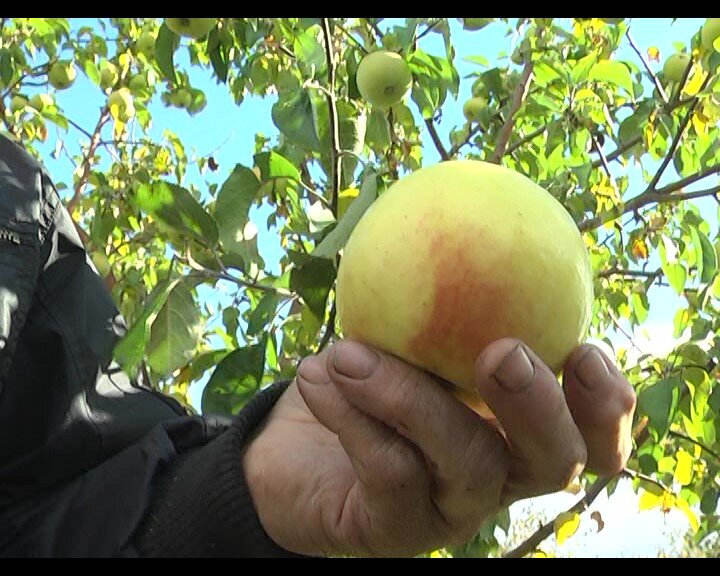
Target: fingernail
591,368
516,371
312,369
354,360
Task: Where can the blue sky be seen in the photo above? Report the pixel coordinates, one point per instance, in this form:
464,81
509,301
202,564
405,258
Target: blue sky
228,131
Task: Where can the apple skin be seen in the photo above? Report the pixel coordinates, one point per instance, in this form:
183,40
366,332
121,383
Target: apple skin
457,255
710,31
383,78
675,66
18,103
473,108
191,27
145,44
62,74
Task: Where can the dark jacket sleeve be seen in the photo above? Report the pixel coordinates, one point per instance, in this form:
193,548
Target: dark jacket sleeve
91,462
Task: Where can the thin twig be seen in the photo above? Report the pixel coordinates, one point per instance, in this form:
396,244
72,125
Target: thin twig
430,123
687,438
335,155
644,478
351,37
472,132
632,273
649,70
507,127
428,29
527,138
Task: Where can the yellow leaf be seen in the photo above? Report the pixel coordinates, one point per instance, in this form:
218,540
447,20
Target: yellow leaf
654,54
694,83
699,124
565,525
436,554
683,506
683,468
668,501
345,198
649,501
639,249
540,554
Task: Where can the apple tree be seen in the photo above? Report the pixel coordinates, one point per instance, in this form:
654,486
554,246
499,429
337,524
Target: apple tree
626,139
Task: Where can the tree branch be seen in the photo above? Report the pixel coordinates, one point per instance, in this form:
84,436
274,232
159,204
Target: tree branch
335,156
517,100
614,271
702,446
643,200
527,138
649,70
430,123
546,530
455,149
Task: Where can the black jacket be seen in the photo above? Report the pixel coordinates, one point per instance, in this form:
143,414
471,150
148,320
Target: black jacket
92,464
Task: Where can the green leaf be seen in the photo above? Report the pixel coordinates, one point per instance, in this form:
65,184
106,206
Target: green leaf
582,67
6,68
612,72
175,332
235,380
273,165
232,208
659,403
130,350
174,206
293,115
262,314
336,239
674,271
217,55
165,46
313,280
705,257
708,504
309,51
231,322
92,72
378,130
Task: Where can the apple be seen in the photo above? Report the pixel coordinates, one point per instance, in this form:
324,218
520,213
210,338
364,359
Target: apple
383,78
138,83
475,23
40,101
473,108
181,98
145,44
191,27
710,31
121,105
675,66
109,75
62,74
457,255
18,103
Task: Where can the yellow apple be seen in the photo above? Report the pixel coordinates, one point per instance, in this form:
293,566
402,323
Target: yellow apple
62,74
383,78
473,108
675,66
191,27
710,31
457,255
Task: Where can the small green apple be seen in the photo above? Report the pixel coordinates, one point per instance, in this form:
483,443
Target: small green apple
109,75
710,31
191,27
121,105
181,98
62,74
475,23
18,103
675,66
383,78
138,83
145,44
40,101
473,108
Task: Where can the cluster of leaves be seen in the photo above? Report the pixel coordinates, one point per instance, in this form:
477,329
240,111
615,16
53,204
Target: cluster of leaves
609,137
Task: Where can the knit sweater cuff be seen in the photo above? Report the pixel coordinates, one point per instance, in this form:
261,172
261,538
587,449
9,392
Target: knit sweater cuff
202,507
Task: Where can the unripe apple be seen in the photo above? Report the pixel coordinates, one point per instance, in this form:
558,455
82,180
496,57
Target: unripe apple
62,74
138,83
710,31
383,78
109,75
145,44
18,103
457,255
675,66
191,27
181,98
121,105
473,108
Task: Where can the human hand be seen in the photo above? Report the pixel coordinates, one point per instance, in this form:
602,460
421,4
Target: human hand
367,455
